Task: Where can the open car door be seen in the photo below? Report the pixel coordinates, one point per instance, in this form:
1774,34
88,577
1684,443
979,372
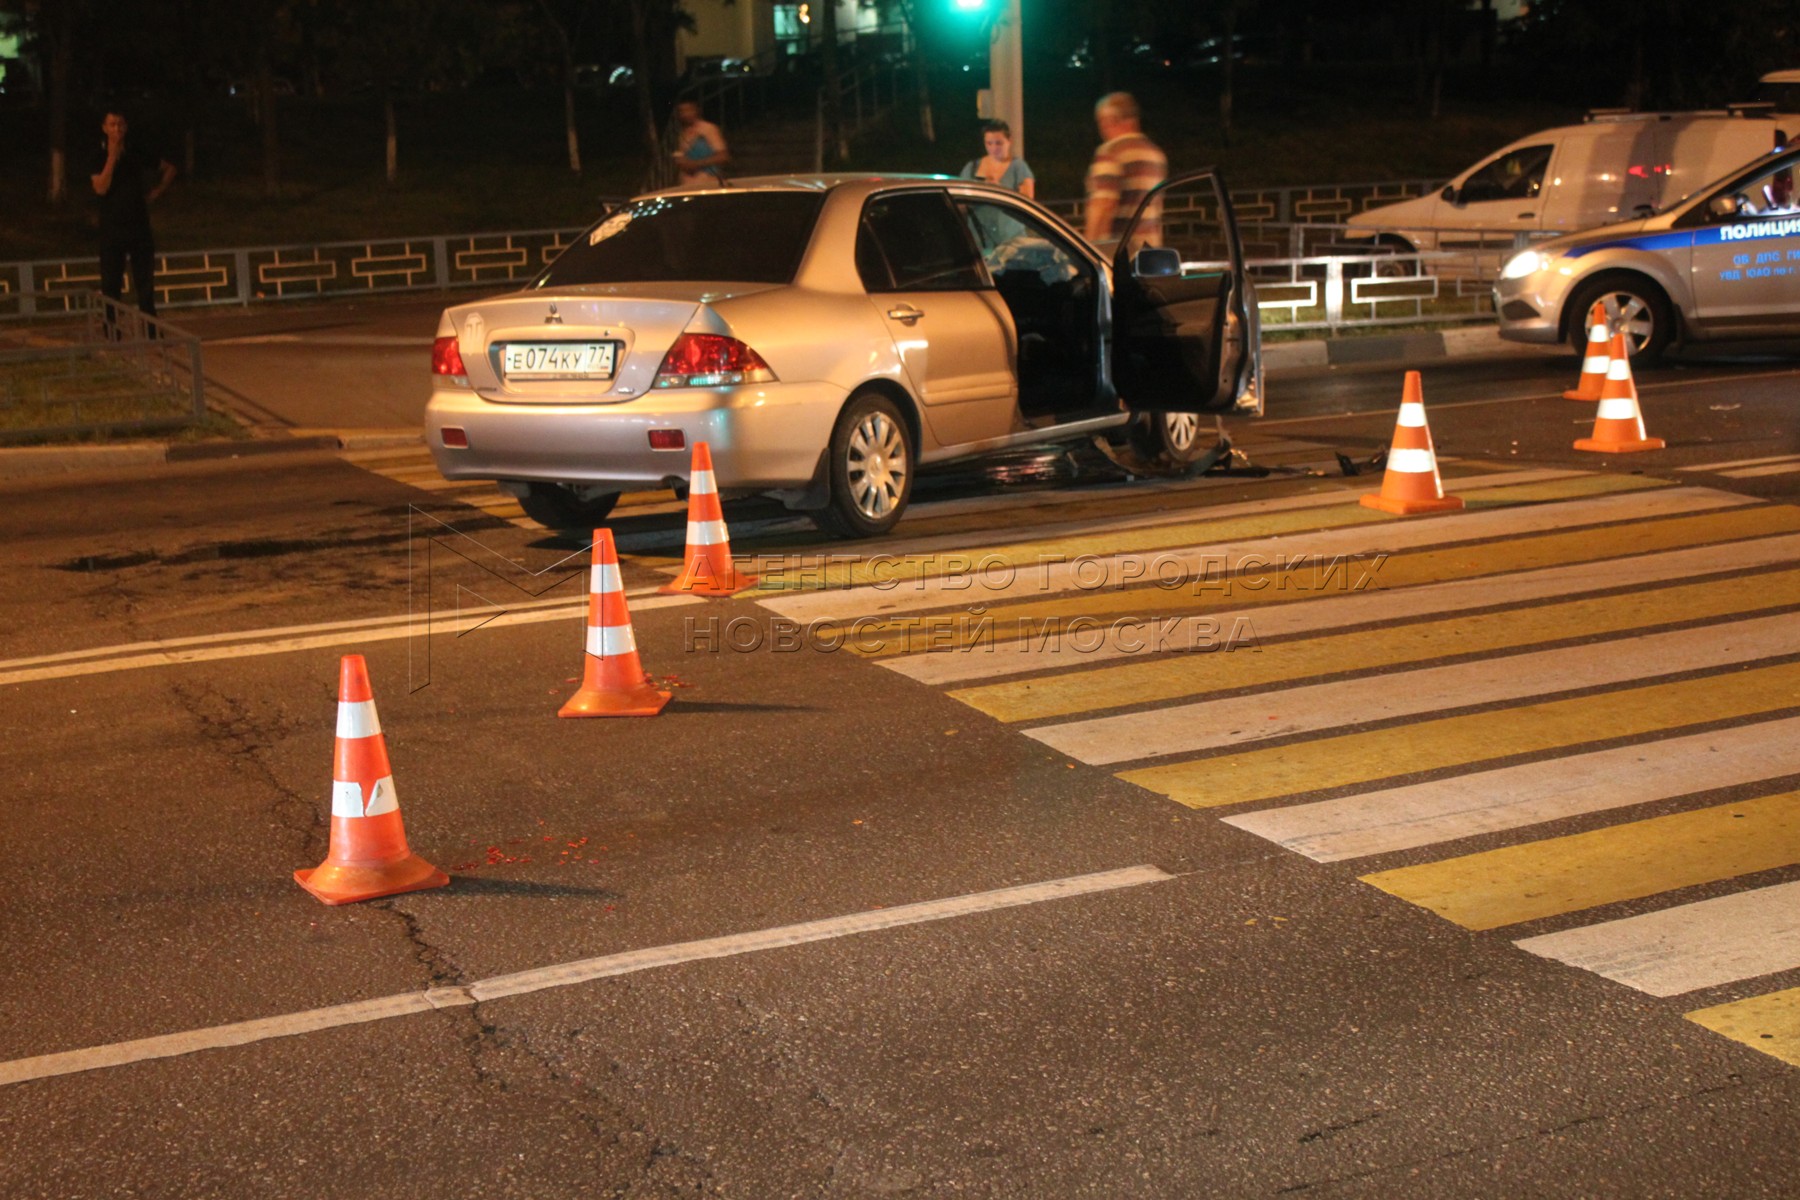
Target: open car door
1185,334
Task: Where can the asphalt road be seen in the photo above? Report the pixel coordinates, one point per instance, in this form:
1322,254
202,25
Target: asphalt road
1181,1007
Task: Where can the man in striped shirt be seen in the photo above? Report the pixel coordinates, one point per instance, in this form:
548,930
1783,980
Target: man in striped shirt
1125,167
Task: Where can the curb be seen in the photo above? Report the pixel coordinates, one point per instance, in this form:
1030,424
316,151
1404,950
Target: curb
1407,348
38,462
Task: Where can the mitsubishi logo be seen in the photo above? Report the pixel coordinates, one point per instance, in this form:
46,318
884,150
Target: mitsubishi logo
553,318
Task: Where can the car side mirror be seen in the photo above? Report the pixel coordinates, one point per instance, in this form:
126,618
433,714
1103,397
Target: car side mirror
1448,195
1723,206
1156,262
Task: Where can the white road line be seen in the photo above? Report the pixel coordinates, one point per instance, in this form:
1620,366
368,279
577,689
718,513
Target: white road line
1240,720
321,339
1443,810
578,570
566,974
993,660
171,654
1741,462
1689,947
1441,406
1049,577
1758,472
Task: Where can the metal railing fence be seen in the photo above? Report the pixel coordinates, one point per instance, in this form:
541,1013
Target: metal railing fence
97,367
1311,271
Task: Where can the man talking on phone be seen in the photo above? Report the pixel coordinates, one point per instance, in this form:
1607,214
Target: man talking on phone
130,179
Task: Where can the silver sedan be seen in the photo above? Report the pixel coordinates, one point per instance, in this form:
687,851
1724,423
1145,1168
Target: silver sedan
827,336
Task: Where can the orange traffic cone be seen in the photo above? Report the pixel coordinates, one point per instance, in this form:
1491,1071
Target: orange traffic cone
1599,357
1411,484
1619,425
708,570
613,683
368,856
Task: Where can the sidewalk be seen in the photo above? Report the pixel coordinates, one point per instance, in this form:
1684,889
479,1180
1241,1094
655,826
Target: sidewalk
1399,349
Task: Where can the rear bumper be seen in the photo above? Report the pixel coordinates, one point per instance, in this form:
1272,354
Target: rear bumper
762,436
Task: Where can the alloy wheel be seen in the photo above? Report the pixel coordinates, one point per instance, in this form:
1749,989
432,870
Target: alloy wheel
876,466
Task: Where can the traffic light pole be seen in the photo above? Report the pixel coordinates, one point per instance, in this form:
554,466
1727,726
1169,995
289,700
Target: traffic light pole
1006,72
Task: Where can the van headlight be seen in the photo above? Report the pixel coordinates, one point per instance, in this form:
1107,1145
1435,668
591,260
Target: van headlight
1530,262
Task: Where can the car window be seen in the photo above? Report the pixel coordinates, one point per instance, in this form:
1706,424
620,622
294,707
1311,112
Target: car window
738,237
1012,242
923,242
871,263
1768,194
1515,176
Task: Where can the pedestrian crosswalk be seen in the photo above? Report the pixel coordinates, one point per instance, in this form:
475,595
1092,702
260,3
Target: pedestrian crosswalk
1568,716
1750,468
412,465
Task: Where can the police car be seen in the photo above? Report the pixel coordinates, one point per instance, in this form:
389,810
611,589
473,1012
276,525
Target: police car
1721,263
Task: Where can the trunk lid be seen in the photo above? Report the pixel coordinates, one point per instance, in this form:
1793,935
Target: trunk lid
594,344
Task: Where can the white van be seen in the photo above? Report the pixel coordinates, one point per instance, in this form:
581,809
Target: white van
1780,90
1613,166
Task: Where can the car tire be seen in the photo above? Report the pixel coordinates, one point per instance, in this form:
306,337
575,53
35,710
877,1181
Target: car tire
1175,439
567,506
1389,268
872,459
1648,317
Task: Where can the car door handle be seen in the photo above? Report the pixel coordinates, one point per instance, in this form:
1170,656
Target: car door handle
1526,216
905,313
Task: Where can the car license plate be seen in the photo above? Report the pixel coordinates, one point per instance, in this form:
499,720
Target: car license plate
558,360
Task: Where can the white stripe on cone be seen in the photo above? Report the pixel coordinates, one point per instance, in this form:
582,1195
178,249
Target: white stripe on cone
1596,364
357,719
1620,408
706,533
1412,415
607,641
604,577
702,484
1412,462
347,798
1619,368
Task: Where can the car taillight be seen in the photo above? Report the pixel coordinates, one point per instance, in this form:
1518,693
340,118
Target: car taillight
446,359
709,360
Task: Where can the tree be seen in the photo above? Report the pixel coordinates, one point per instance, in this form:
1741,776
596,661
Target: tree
56,26
58,29
828,47
399,48
564,18
910,13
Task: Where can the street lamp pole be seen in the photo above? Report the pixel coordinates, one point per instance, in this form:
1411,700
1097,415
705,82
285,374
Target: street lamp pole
1006,72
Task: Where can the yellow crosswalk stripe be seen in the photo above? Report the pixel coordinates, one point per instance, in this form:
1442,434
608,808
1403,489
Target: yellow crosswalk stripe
1623,862
1010,621
1768,1023
1457,741
1176,677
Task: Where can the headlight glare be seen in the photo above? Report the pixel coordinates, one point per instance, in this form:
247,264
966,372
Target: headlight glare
1520,265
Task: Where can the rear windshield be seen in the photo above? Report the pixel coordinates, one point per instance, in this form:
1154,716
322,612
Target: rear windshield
739,237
